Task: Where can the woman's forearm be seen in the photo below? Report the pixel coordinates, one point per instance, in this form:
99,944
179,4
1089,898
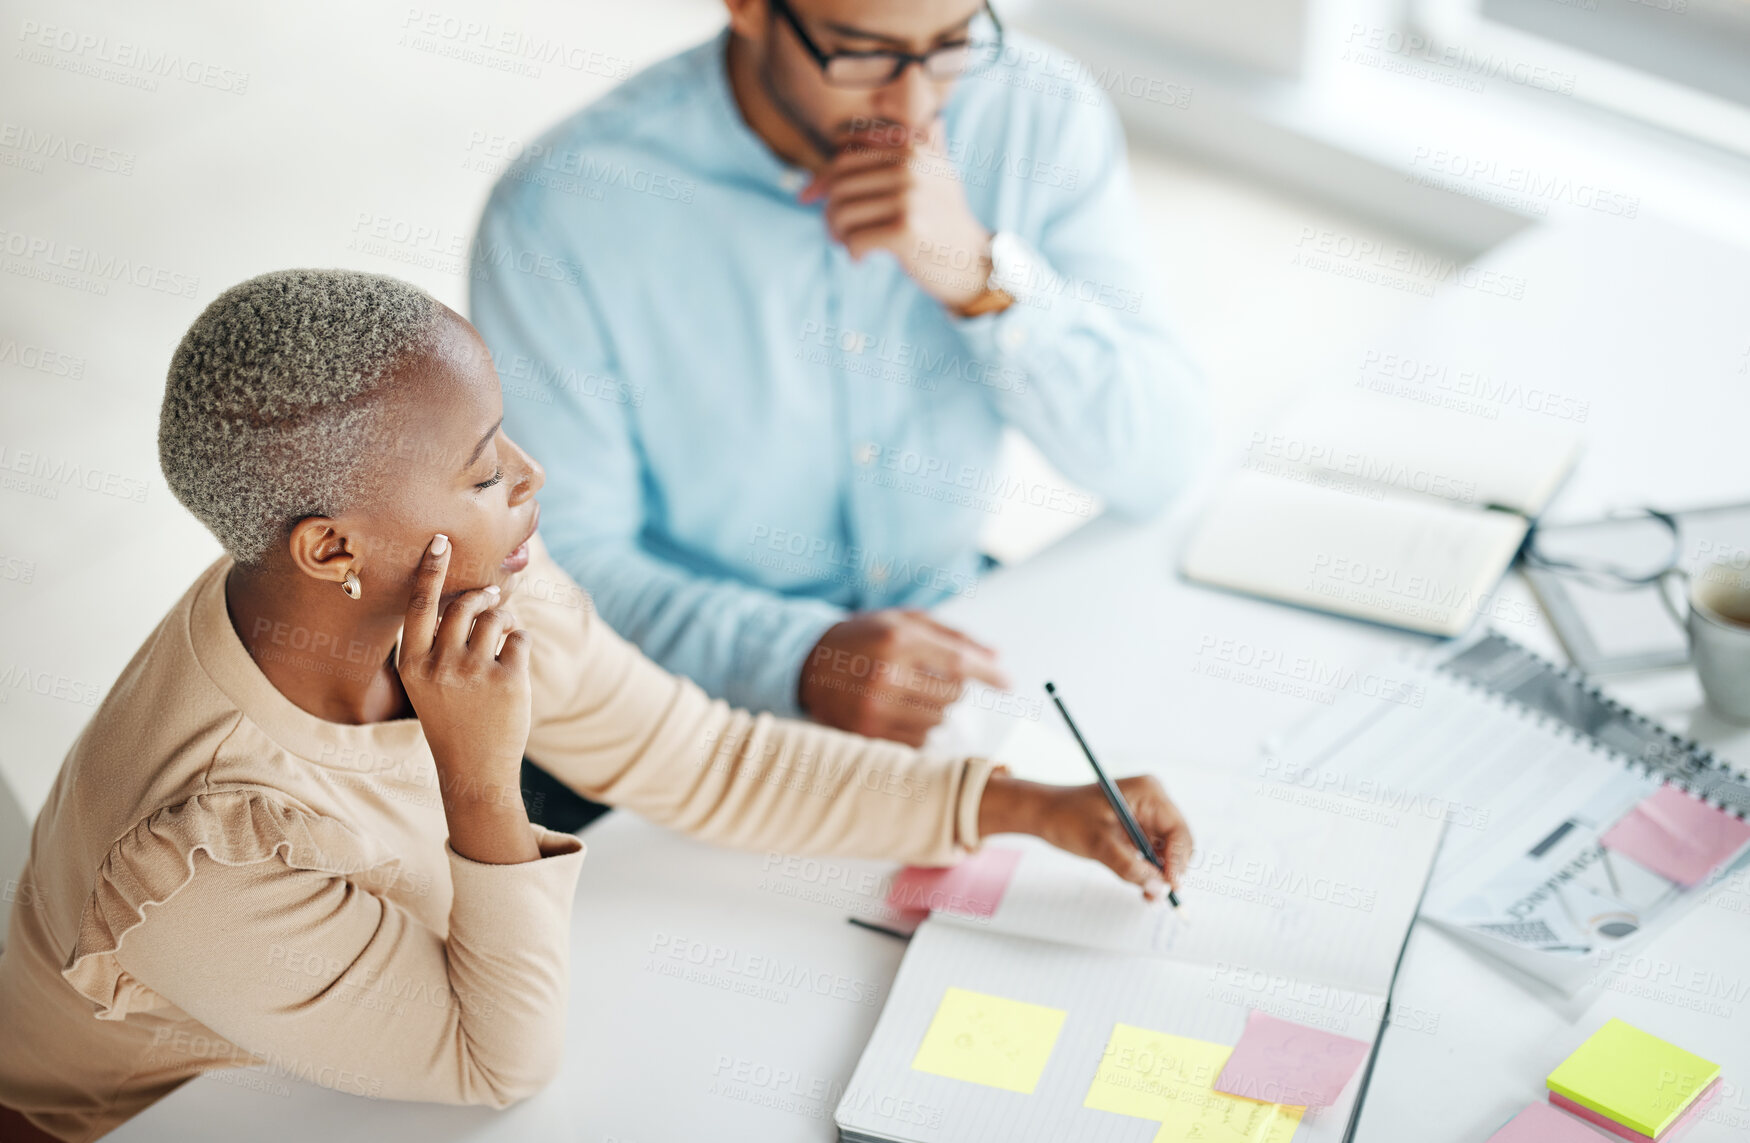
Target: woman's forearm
1009,805
488,822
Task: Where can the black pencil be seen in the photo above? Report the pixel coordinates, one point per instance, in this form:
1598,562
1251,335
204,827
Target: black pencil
1119,805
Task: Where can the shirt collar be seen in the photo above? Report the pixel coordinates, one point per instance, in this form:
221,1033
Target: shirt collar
750,153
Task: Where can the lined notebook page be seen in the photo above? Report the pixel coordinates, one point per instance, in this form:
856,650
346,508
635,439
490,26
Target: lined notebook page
1284,882
889,1098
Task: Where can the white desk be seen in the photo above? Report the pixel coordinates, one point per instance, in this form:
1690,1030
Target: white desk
1650,327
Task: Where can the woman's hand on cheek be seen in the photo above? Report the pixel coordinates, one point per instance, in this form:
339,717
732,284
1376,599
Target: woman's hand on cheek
1079,820
472,698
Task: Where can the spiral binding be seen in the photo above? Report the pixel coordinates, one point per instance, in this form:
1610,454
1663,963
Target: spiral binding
1687,776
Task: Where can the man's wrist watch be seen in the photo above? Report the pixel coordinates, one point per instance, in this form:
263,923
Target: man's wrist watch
1012,267
1007,273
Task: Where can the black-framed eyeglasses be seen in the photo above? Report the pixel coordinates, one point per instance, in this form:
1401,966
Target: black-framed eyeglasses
880,68
1612,575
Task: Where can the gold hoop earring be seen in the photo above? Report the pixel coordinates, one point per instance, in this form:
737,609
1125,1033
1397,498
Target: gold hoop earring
350,584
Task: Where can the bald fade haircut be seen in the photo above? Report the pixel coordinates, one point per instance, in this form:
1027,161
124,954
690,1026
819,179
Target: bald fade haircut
270,405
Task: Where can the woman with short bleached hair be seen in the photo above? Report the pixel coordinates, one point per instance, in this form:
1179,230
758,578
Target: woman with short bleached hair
301,797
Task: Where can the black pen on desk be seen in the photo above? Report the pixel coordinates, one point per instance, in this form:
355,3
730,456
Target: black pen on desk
1119,805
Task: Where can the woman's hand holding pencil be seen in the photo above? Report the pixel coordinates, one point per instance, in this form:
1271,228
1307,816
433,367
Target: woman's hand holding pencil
1160,839
1080,820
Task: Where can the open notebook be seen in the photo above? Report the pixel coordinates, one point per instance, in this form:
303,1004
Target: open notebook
1381,509
1105,1007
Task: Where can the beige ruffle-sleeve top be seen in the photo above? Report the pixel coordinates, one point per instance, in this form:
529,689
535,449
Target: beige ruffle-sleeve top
221,879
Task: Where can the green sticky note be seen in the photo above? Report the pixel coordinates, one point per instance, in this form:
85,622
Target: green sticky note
1169,1079
990,1040
1633,1077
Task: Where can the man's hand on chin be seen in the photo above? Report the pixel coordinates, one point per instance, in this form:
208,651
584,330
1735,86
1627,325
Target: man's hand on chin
896,190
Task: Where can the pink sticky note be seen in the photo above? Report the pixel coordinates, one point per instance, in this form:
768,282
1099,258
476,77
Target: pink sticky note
1541,1123
1279,1061
1678,1129
1677,836
972,888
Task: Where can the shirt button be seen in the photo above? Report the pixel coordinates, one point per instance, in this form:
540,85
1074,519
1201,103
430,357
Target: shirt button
878,575
1014,336
866,453
792,181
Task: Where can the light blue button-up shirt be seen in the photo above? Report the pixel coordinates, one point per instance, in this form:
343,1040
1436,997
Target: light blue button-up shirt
746,433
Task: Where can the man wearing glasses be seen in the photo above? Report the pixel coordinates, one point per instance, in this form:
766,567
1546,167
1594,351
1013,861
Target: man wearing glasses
764,311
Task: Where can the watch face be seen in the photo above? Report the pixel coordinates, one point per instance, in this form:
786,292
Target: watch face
1008,264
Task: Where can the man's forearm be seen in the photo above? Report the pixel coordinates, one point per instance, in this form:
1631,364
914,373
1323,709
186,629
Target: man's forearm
741,642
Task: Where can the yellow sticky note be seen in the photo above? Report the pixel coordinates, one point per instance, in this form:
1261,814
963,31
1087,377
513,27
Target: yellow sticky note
1633,1077
1171,1079
990,1040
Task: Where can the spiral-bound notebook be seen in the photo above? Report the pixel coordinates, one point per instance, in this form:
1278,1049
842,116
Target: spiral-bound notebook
1576,827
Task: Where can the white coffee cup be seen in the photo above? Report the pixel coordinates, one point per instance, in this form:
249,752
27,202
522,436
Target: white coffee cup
1717,621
